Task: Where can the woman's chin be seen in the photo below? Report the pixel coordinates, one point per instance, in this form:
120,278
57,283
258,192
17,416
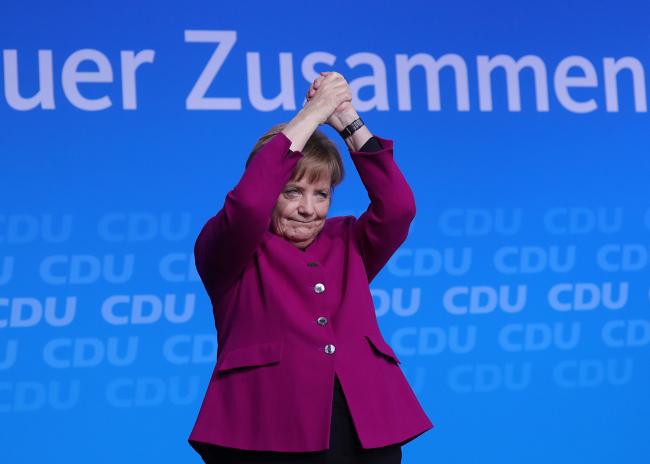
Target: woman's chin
300,238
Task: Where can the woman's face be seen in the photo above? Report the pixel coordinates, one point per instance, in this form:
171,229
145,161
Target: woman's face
300,211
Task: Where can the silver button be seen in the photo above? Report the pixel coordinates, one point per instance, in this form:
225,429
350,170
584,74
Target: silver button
319,288
322,320
329,349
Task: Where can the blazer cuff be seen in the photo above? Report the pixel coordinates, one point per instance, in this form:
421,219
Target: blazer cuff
385,145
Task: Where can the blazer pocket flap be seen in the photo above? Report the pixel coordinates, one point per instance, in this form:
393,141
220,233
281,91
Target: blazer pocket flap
382,347
254,355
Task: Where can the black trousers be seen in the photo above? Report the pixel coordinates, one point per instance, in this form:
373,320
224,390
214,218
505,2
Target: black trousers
345,447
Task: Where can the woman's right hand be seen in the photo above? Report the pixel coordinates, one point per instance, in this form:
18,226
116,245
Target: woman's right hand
332,91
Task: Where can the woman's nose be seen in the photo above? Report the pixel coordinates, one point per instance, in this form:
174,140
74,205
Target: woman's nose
306,205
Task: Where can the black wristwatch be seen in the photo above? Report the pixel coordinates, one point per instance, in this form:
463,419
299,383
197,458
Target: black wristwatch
351,128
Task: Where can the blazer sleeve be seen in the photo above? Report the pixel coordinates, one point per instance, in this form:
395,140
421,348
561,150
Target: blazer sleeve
227,241
384,226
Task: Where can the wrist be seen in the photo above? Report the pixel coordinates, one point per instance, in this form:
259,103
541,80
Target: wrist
348,117
309,117
344,119
299,129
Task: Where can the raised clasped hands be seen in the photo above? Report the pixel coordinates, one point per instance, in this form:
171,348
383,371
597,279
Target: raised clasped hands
329,100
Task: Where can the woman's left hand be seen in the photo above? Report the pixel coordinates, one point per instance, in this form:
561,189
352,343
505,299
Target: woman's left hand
343,115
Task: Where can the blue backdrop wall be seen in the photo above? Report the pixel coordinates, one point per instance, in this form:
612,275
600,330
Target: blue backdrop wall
519,304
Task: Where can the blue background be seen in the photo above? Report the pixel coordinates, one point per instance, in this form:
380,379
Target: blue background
164,160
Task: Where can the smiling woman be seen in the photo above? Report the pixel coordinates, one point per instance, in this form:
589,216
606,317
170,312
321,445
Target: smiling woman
303,374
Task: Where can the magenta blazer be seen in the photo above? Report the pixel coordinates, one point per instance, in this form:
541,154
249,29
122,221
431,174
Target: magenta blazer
287,320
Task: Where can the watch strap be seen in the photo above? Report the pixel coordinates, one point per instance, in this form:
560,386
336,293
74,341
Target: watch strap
351,128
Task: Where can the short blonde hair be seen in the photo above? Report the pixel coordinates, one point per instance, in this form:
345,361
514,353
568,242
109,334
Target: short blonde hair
320,157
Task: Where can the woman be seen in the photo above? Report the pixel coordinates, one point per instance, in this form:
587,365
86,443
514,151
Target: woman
303,373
